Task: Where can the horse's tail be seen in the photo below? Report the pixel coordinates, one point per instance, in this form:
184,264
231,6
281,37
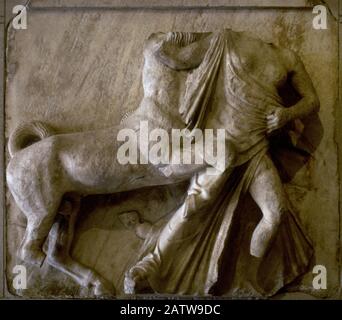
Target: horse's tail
26,134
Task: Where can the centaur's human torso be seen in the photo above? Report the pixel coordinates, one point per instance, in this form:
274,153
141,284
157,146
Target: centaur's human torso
162,91
97,170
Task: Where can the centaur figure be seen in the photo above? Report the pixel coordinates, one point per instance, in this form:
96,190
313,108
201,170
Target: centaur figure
232,82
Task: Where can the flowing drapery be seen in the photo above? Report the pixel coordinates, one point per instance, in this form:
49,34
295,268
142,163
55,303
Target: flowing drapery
196,268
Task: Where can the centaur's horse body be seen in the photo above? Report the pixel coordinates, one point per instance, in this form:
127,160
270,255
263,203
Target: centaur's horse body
40,175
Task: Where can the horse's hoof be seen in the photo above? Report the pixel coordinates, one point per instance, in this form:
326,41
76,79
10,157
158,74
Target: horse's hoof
104,291
135,281
129,284
134,284
102,287
32,256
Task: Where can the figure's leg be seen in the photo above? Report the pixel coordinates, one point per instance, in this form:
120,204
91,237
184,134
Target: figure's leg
58,253
201,195
267,191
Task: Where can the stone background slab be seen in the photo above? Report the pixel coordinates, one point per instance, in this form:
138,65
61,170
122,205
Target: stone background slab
89,63
2,76
168,4
339,131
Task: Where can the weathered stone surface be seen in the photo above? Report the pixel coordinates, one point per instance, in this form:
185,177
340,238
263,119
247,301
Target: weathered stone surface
2,215
165,3
338,120
79,70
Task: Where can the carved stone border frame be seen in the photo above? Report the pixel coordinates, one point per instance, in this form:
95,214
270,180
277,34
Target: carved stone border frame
2,191
334,6
339,132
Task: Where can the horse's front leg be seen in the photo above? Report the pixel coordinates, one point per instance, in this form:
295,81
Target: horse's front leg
58,251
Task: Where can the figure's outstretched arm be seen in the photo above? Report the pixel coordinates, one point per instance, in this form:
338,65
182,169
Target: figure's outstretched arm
183,50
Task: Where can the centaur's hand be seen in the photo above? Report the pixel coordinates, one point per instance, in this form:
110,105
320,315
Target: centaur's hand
277,118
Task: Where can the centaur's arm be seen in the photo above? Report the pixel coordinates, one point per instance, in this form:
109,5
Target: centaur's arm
183,50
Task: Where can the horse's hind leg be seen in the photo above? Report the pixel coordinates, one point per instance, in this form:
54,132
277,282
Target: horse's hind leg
38,226
37,190
59,245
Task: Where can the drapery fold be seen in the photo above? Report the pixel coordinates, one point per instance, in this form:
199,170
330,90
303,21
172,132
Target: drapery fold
196,268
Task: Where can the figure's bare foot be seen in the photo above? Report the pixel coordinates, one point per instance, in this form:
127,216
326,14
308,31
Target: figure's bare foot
262,237
136,278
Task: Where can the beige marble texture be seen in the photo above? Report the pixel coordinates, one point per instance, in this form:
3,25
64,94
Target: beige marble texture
166,3
81,69
2,225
